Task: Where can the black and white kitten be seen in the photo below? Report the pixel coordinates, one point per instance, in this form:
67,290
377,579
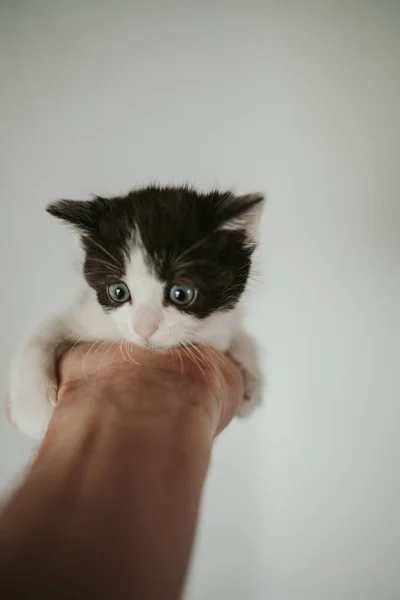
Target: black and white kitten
165,267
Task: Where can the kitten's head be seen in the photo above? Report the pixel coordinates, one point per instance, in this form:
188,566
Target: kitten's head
169,265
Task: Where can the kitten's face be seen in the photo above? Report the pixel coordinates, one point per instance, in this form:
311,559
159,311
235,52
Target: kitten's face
169,265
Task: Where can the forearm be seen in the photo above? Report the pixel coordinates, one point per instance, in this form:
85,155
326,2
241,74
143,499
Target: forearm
109,508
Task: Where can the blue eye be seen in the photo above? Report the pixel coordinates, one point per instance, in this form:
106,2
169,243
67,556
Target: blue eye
119,292
182,295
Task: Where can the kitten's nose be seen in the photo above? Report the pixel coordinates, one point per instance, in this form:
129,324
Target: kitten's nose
145,330
146,321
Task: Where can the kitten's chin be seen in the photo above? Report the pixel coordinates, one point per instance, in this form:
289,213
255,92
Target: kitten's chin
157,346
161,346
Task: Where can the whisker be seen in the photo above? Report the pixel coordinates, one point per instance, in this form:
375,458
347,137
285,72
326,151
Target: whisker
123,351
86,357
217,372
213,351
101,247
189,354
201,354
126,354
97,350
89,334
194,354
128,346
192,247
101,261
110,344
175,350
117,349
102,272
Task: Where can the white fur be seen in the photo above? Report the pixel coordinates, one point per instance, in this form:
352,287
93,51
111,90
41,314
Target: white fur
33,382
249,221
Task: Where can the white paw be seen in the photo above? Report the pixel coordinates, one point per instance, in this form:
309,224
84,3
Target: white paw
33,392
244,351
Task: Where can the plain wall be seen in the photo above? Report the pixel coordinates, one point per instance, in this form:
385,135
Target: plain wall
300,100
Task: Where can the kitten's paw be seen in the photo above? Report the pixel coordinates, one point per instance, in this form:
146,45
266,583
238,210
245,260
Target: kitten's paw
33,394
244,351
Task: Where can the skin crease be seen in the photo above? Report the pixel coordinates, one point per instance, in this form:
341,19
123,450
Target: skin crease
109,507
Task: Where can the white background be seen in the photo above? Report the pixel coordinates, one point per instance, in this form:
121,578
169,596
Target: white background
300,100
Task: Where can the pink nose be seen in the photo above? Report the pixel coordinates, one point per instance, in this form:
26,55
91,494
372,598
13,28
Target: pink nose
145,330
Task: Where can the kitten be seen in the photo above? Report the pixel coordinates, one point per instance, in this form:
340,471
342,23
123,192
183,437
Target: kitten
165,267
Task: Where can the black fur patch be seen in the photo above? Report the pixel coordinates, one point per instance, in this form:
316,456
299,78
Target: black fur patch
180,230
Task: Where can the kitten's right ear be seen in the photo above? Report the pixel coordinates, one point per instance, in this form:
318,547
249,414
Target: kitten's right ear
79,213
242,213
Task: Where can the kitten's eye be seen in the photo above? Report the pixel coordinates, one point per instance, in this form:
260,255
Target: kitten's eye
182,295
119,292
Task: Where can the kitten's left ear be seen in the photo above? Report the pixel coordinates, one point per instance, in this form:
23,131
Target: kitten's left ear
83,215
243,213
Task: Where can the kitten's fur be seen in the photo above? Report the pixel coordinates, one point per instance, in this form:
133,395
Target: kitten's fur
149,239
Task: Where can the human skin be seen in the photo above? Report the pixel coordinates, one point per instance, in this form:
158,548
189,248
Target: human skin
109,508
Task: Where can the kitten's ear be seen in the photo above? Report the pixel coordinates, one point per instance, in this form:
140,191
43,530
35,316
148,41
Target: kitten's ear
79,213
243,213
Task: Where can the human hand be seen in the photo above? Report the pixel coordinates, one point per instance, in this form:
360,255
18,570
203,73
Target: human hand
117,481
203,378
